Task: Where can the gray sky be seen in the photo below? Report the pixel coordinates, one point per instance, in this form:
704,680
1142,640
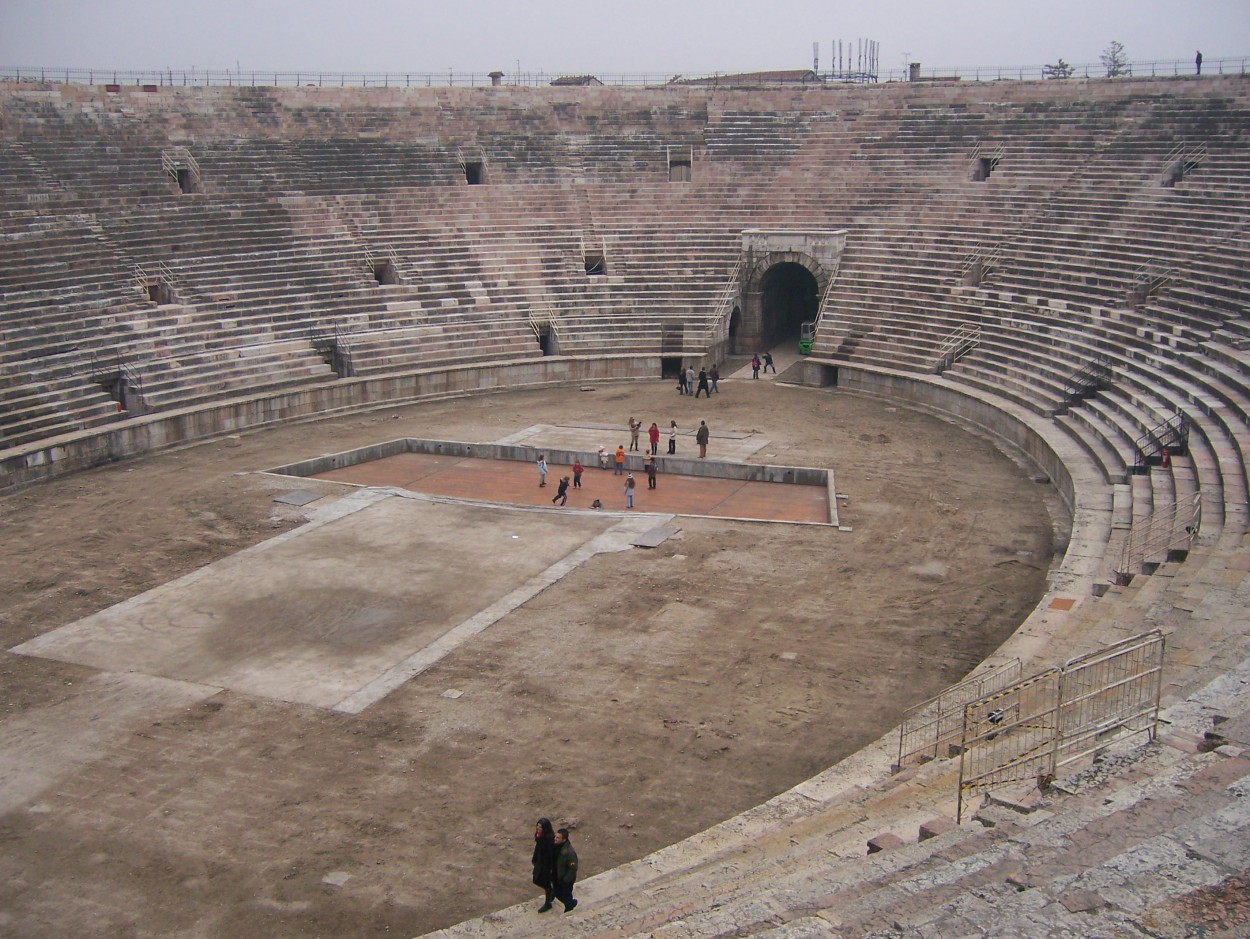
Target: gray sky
559,36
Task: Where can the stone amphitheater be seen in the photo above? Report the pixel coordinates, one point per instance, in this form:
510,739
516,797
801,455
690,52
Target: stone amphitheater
1057,266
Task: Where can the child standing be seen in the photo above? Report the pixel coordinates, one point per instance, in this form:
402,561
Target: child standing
578,469
629,491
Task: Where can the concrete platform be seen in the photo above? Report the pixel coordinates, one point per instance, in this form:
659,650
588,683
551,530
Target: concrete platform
362,598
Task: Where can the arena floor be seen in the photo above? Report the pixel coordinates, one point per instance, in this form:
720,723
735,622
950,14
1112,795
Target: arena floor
226,715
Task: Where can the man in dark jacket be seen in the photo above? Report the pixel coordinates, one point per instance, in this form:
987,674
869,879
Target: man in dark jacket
566,869
545,861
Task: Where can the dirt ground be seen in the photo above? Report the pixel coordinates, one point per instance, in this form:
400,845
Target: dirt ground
644,697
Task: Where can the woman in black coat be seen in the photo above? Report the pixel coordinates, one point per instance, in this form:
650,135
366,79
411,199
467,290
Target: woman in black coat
545,861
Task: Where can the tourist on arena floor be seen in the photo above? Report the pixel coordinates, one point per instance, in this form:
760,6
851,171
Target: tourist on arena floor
544,861
701,438
566,869
562,493
634,427
755,366
681,381
714,374
690,380
620,459
672,437
703,386
652,469
768,363
542,470
629,491
653,437
578,469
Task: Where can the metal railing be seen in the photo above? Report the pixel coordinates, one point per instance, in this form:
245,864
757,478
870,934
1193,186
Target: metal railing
167,77
962,340
719,328
937,724
335,348
1088,379
113,364
1171,435
1159,536
175,158
1034,728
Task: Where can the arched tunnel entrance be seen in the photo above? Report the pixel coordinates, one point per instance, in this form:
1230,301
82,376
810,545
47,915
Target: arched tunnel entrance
789,296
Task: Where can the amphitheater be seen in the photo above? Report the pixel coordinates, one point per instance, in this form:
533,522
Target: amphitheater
218,281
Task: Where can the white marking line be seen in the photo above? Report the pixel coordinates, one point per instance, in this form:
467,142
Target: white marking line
617,538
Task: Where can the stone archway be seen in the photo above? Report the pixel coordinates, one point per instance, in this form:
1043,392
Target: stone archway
789,296
784,276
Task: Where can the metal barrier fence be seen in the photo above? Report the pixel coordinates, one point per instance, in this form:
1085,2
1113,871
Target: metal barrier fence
929,730
1034,728
423,79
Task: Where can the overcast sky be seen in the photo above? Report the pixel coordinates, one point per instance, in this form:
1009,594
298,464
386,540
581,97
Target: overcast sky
601,36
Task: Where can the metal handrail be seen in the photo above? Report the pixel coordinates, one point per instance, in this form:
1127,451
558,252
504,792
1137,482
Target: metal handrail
1164,532
1089,378
959,342
719,327
1172,435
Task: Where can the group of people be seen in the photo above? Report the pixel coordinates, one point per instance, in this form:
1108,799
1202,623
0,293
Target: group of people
705,381
651,466
555,865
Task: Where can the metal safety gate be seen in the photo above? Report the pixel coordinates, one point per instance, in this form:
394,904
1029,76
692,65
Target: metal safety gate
1032,729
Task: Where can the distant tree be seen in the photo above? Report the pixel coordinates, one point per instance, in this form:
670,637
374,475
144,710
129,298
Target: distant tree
1060,69
1114,60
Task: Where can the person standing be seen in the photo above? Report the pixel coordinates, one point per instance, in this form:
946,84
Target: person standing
681,381
768,363
578,469
566,870
634,427
562,493
755,366
701,438
672,437
714,374
629,491
652,468
689,379
545,861
542,470
1198,62
653,437
620,459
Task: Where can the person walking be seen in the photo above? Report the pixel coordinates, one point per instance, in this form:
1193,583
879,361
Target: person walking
562,493
768,363
629,491
755,366
566,870
701,438
578,469
542,471
652,468
690,379
653,437
619,459
703,385
545,861
714,374
672,437
634,427
681,381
